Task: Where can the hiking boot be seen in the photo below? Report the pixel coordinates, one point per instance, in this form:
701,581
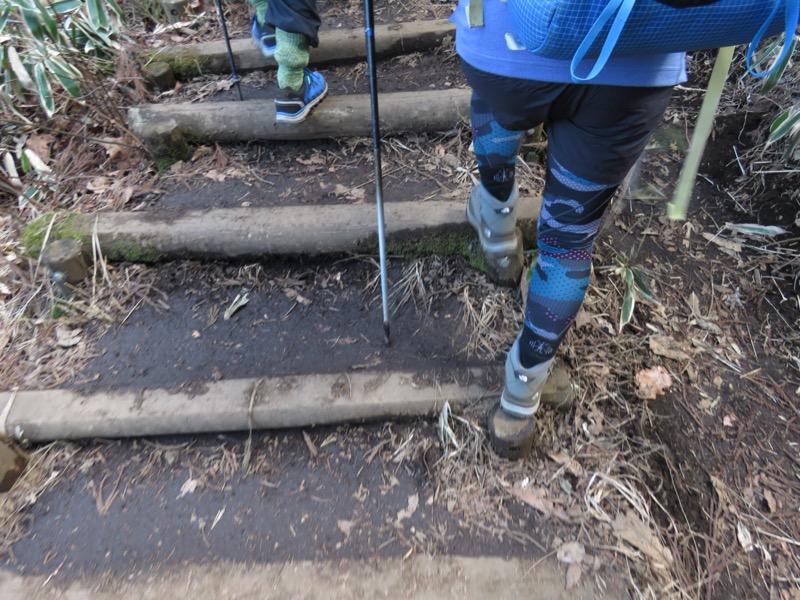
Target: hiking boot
264,37
293,106
511,422
501,239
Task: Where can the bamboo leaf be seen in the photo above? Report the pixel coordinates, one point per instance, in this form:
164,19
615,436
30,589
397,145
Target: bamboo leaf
48,22
4,17
97,14
19,69
628,303
45,91
641,284
783,124
755,230
31,18
771,80
116,8
65,6
68,81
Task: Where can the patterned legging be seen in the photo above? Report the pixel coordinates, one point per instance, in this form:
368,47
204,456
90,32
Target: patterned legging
566,230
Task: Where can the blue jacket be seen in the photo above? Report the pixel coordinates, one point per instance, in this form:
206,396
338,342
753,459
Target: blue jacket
489,48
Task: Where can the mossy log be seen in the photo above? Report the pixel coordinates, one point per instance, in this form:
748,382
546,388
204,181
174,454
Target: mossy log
335,117
413,228
335,46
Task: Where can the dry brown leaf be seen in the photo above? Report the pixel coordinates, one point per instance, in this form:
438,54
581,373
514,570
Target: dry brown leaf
66,337
413,503
114,147
311,447
346,527
582,318
573,576
631,529
349,193
571,553
535,497
568,463
652,382
215,175
296,296
772,503
99,185
40,144
663,345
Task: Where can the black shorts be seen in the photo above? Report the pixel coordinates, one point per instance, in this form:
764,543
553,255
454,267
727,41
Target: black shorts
596,131
295,16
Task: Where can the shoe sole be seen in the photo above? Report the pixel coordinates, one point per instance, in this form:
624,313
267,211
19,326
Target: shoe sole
511,438
301,116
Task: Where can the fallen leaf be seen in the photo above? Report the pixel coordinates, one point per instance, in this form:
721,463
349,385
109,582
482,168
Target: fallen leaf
98,185
296,296
238,302
772,503
728,420
188,487
40,144
348,193
573,576
311,447
652,382
215,175
66,337
114,147
534,497
346,527
413,503
571,553
568,463
631,529
582,319
745,539
663,345
722,242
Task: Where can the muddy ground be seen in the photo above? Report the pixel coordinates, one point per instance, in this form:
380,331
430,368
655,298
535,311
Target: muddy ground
707,471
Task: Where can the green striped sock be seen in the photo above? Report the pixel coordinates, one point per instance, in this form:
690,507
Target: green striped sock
291,55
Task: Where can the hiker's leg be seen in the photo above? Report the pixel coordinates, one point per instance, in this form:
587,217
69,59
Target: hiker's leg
591,148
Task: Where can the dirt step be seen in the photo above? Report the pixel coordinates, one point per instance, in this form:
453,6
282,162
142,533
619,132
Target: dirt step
165,128
241,404
336,45
257,232
420,577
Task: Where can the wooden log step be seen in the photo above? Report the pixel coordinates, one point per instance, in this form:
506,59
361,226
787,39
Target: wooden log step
335,45
159,125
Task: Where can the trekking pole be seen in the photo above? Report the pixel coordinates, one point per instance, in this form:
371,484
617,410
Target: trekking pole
369,33
234,76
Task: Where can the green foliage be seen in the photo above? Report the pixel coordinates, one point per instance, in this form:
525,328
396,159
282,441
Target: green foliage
786,126
42,44
636,280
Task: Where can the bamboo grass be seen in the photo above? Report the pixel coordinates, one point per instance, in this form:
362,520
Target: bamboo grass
678,207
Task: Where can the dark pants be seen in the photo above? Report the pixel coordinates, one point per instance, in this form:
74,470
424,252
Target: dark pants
595,135
295,16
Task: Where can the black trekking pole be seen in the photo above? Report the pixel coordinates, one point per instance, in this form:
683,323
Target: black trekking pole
234,76
369,33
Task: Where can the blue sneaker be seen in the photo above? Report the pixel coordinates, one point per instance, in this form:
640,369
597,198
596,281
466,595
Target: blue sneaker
293,107
264,38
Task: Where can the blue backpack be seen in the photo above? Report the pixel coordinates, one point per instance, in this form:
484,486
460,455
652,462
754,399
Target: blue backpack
579,29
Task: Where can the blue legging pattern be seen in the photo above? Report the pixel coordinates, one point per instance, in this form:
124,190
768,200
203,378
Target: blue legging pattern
567,227
495,148
568,223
